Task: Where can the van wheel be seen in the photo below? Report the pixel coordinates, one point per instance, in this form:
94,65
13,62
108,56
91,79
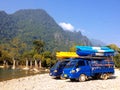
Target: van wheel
62,78
82,78
104,76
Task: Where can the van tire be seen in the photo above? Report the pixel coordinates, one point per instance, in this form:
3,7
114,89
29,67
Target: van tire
82,78
104,76
62,78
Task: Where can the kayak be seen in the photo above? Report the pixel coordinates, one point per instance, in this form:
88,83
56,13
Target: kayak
67,55
94,51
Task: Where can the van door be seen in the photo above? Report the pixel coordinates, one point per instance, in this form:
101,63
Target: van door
83,67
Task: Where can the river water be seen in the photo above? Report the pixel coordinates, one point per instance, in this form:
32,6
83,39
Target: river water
7,74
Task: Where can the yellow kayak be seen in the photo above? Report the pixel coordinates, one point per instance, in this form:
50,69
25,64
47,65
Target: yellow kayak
67,55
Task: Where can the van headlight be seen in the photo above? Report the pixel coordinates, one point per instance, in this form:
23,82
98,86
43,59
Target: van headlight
55,70
72,71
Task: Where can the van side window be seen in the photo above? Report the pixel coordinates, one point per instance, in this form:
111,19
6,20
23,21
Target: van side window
81,63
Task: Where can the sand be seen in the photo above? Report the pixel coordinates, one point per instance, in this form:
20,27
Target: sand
46,82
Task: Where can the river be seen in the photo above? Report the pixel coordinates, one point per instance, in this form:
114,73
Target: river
7,74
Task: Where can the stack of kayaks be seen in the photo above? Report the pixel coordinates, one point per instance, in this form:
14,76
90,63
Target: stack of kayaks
94,51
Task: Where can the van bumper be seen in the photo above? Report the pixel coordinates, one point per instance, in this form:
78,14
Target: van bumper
54,74
71,76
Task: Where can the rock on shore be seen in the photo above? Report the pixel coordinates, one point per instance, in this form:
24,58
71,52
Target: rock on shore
45,82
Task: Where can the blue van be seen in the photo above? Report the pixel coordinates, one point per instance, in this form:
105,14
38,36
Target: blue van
82,68
57,69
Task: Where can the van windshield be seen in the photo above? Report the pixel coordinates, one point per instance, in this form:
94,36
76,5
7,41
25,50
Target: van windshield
56,65
60,64
71,64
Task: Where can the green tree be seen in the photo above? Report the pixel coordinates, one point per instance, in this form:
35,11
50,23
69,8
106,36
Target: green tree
73,49
38,46
28,57
117,60
5,57
49,59
48,62
15,48
47,54
0,51
117,56
38,58
113,46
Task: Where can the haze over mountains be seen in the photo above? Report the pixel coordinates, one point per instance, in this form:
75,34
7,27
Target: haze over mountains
36,24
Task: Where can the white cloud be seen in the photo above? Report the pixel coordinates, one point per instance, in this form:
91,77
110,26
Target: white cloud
67,26
82,30
85,32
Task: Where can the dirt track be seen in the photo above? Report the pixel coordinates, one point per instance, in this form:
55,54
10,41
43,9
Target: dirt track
45,82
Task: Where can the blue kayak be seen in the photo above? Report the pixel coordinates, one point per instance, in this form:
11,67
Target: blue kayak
94,51
89,47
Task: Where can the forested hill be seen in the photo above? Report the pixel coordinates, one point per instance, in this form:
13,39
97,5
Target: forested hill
35,24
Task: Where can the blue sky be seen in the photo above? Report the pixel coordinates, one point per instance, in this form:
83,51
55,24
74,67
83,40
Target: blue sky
98,19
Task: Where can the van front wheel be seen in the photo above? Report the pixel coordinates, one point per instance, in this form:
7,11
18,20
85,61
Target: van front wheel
82,78
62,78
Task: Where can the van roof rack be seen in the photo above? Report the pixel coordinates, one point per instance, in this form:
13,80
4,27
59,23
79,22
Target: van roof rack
68,55
93,57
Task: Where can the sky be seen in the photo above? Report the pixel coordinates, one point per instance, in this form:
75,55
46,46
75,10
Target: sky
97,19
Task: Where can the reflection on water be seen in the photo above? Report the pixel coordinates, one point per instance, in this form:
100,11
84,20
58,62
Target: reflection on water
7,74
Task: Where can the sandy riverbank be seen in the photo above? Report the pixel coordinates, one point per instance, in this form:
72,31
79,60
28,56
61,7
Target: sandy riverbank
45,82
